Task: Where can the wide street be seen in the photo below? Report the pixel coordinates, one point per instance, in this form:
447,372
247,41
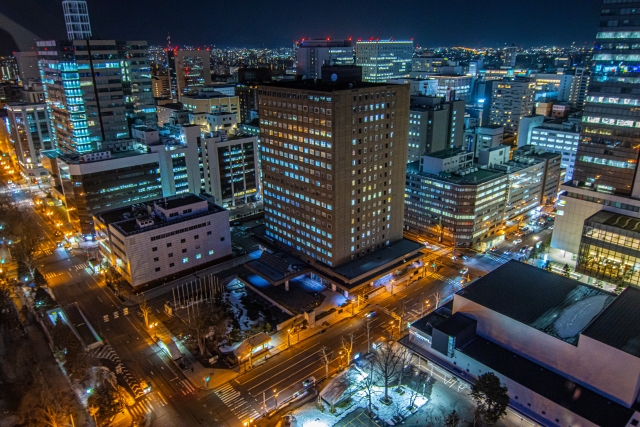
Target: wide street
174,400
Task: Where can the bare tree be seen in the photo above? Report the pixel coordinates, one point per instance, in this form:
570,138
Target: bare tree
26,249
366,383
145,311
206,317
388,361
405,357
44,406
347,346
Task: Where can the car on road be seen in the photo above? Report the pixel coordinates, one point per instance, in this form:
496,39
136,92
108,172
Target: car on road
370,314
146,386
464,270
453,257
551,228
517,241
309,382
507,252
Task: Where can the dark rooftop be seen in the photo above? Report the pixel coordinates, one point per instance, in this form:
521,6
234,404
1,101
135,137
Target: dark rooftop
321,86
377,259
448,152
124,218
616,220
172,105
427,323
553,304
474,178
178,201
619,325
561,390
455,324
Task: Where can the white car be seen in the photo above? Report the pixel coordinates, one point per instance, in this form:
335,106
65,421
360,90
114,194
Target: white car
517,241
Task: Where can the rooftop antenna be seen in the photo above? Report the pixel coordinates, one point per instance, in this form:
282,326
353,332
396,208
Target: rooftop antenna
169,40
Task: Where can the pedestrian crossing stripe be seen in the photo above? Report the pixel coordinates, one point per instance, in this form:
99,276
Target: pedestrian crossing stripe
232,400
187,385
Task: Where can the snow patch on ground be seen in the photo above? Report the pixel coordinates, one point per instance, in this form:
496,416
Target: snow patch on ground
310,416
574,319
233,298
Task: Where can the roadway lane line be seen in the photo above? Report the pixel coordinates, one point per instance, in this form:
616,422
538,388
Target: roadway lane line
289,376
283,362
296,382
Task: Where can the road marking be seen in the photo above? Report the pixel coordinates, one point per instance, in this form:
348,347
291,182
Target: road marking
283,362
125,311
187,384
115,315
236,403
105,318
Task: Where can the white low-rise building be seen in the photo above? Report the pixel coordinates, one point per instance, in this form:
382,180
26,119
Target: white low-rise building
163,239
566,351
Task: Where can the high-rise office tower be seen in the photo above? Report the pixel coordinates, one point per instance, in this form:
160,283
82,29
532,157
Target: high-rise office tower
384,59
30,133
333,158
511,100
605,175
312,54
192,69
76,17
95,89
27,66
579,87
434,125
171,71
608,152
510,56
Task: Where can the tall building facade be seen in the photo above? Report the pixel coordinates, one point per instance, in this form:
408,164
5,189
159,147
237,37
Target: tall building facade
382,60
27,63
312,54
192,69
434,125
30,133
76,18
605,175
92,183
333,158
608,153
95,89
511,100
579,87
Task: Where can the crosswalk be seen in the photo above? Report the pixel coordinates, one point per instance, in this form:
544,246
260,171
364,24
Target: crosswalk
414,314
53,274
148,404
187,387
236,403
82,266
107,352
446,280
497,258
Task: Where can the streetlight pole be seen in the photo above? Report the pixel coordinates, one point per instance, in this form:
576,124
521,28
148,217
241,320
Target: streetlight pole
422,308
275,397
289,337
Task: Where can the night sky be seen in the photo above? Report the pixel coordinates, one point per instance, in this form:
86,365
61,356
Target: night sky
258,23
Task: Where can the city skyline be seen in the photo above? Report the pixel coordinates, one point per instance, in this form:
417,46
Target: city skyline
471,24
